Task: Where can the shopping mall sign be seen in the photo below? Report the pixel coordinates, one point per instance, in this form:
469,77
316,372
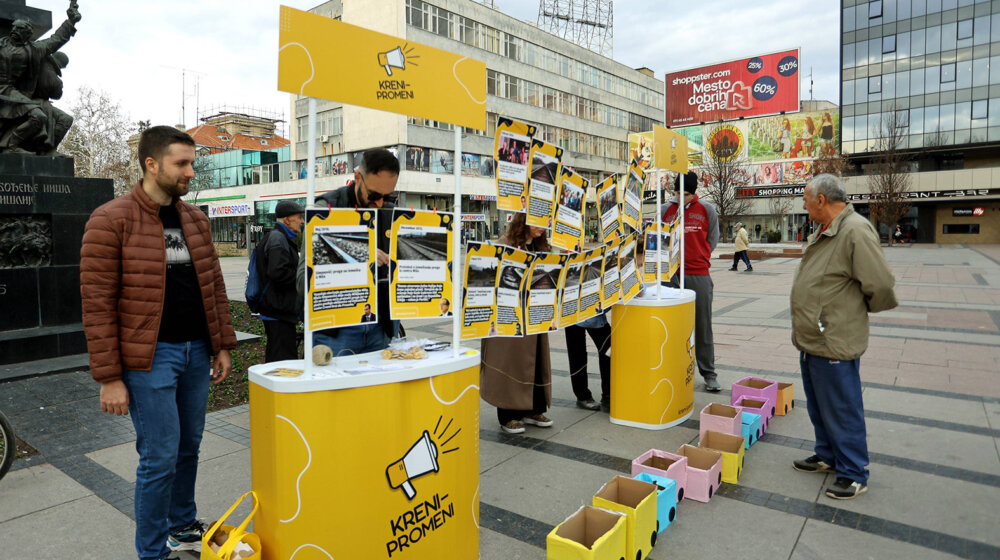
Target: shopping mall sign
325,58
224,210
762,85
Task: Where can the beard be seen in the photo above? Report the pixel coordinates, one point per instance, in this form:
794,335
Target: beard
173,186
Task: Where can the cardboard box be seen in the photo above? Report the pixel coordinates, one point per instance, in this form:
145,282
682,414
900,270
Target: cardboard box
704,470
637,500
720,418
732,449
751,428
589,534
666,498
756,388
756,406
786,398
662,463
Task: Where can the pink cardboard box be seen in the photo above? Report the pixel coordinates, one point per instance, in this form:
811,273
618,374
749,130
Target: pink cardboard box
756,388
786,398
721,418
662,463
756,406
704,472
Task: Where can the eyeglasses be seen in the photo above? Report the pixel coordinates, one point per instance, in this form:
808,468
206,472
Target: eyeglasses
375,196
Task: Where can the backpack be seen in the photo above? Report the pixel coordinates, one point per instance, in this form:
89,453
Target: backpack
253,292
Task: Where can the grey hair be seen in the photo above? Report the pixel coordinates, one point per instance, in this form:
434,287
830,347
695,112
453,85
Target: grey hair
829,186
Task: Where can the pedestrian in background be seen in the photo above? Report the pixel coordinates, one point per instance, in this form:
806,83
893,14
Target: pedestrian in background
742,243
158,331
277,261
843,276
599,330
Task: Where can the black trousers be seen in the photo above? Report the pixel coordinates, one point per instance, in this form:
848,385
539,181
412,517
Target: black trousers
576,347
282,343
741,255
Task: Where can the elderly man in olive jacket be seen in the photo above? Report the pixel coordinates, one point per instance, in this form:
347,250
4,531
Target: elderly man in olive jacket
842,278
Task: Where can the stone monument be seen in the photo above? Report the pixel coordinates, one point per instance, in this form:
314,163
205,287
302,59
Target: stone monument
43,207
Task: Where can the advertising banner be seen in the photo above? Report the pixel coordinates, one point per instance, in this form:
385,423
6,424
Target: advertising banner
590,284
420,253
611,282
340,266
631,285
671,150
510,148
542,292
479,309
567,231
640,149
229,209
761,85
570,282
632,199
546,162
387,73
607,207
510,287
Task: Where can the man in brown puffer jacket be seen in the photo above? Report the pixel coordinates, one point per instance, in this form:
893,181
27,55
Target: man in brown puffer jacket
158,330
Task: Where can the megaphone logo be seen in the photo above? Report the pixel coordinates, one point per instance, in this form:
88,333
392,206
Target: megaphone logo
691,345
418,461
396,58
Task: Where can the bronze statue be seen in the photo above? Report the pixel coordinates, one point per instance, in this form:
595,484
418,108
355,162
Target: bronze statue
29,78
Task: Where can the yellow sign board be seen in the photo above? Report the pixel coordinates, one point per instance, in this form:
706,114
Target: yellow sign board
670,149
326,58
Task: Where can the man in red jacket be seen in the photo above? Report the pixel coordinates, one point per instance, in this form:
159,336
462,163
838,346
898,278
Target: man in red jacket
701,235
155,314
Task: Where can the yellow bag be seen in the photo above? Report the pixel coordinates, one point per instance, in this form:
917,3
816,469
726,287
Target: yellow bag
235,535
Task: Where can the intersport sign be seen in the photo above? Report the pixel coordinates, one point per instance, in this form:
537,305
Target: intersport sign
761,85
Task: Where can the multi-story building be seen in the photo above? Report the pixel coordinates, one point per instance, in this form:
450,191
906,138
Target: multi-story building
582,101
932,67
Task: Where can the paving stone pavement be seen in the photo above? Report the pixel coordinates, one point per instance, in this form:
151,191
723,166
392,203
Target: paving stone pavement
932,400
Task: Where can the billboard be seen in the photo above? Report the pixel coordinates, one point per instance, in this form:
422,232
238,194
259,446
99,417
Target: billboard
761,85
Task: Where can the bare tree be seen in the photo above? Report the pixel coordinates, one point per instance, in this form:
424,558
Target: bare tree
719,180
834,164
204,176
98,139
889,182
777,208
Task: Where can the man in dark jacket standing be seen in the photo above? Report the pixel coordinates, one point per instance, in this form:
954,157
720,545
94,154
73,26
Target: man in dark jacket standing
155,314
701,235
277,261
374,186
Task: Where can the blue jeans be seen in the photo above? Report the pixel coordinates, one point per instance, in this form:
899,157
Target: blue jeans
833,399
167,405
358,339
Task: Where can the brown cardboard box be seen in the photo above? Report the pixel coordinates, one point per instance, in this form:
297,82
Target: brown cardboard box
732,449
589,534
637,500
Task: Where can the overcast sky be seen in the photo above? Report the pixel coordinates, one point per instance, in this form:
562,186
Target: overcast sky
136,50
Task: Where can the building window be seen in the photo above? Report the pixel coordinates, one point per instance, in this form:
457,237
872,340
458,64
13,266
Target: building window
947,73
980,109
889,44
961,228
903,118
875,9
965,29
875,84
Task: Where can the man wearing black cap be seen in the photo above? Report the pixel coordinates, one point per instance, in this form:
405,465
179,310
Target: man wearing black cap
701,235
277,261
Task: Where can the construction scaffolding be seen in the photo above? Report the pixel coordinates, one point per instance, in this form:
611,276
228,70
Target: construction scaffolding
250,121
588,23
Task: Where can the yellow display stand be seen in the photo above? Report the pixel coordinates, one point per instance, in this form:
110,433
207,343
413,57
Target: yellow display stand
652,359
367,458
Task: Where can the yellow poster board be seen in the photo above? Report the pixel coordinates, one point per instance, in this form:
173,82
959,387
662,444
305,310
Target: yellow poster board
569,281
542,292
631,285
511,149
510,289
420,251
611,282
632,198
666,250
590,284
608,209
671,149
340,266
640,149
546,163
325,58
567,230
479,308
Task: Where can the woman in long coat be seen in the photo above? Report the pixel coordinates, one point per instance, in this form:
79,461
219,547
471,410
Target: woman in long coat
515,373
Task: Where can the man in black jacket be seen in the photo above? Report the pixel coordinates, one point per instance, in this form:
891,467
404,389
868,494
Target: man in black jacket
374,186
277,261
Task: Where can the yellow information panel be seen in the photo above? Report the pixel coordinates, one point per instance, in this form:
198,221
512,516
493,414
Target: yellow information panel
479,308
572,275
671,149
608,209
652,360
542,299
510,285
340,266
403,483
421,255
326,58
590,284
611,280
567,230
510,149
546,163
